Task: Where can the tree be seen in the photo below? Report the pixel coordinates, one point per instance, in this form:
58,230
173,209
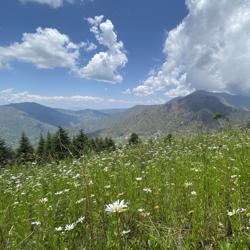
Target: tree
221,119
219,116
168,138
134,139
40,152
5,153
109,144
92,145
61,144
98,144
80,144
25,151
49,150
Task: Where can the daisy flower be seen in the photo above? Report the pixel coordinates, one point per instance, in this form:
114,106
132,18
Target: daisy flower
116,207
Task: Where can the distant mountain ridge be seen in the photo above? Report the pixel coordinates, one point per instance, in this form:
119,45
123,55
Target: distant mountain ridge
45,114
182,114
35,119
238,101
188,113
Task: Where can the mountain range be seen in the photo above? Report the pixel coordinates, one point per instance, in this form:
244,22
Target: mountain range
182,114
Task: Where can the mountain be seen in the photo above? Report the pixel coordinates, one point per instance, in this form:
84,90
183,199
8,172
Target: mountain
238,101
45,114
90,120
183,114
112,111
13,122
35,119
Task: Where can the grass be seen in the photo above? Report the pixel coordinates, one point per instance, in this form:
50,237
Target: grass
179,196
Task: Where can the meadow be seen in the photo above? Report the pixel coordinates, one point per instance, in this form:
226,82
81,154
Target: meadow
185,193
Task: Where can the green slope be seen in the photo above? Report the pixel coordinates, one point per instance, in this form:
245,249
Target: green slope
14,122
184,114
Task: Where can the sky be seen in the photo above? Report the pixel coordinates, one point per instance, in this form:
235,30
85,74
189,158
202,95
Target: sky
113,53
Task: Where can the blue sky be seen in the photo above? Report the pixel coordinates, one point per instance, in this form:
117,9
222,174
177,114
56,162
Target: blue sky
116,53
141,26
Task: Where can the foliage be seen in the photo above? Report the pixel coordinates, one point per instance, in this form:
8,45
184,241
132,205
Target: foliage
190,194
49,146
5,153
56,146
25,151
61,144
168,138
134,139
40,152
80,144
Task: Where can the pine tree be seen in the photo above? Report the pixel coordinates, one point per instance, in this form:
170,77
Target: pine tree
112,145
168,138
80,144
49,150
99,145
109,144
96,144
40,152
25,151
134,139
5,153
92,145
61,144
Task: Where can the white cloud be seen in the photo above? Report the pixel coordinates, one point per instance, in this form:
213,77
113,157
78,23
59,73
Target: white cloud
88,46
46,49
126,92
104,65
209,50
11,96
51,3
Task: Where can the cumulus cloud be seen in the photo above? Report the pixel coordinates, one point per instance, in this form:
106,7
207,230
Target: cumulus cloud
209,50
104,65
48,49
88,46
51,3
11,96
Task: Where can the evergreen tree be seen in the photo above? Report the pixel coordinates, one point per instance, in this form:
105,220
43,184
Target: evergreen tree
134,139
25,151
109,144
96,144
168,138
92,145
80,144
5,153
49,150
61,144
99,145
40,152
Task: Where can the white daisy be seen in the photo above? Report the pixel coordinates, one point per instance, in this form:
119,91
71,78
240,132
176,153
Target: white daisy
147,190
116,207
58,229
70,227
36,223
124,232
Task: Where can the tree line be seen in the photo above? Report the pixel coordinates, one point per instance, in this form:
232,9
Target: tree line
57,146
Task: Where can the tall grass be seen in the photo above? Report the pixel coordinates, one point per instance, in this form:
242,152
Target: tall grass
185,194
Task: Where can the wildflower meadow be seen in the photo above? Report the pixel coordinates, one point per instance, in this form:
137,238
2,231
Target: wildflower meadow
183,193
